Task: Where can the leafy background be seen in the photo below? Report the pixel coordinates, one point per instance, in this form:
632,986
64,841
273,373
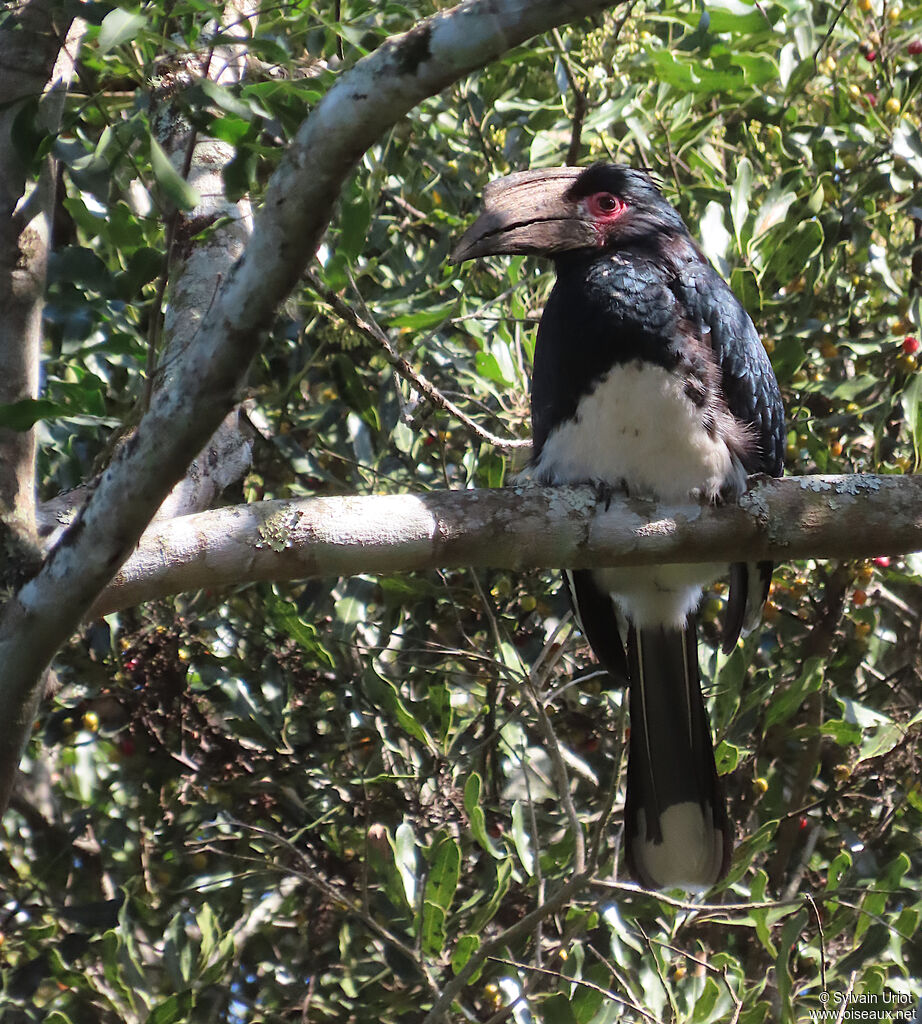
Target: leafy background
314,802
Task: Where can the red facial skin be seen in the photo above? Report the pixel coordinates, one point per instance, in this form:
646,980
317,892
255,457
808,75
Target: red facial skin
605,209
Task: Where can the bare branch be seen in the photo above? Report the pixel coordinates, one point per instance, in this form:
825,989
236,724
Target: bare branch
32,61
522,527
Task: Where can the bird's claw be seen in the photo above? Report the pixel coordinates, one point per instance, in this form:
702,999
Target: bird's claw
605,491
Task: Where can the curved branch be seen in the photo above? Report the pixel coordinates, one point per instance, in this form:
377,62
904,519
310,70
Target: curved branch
207,375
517,528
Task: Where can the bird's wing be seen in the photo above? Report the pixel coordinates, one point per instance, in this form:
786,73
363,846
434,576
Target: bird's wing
752,395
748,381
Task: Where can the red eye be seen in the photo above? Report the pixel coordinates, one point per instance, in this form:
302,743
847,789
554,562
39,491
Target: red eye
604,204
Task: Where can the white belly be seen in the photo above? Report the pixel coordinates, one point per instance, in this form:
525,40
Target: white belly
639,428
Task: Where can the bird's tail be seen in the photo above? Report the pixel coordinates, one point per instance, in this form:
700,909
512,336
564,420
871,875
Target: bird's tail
676,825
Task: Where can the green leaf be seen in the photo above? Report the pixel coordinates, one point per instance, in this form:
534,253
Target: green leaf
24,414
787,946
465,948
522,838
726,757
433,929
706,1001
173,1010
226,99
501,887
444,873
556,1009
784,705
472,790
745,286
286,617
354,217
488,366
911,401
738,18
384,693
430,317
739,197
118,27
404,847
771,213
175,187
791,255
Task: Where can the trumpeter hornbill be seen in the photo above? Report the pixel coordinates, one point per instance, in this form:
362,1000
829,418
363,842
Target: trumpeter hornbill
648,376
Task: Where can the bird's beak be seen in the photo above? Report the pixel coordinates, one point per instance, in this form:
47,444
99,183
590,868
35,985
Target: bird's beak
527,212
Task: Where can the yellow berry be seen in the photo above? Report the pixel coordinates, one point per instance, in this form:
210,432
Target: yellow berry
864,575
892,105
760,785
90,721
528,603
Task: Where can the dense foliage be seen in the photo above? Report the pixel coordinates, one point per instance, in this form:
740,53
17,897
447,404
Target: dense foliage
316,801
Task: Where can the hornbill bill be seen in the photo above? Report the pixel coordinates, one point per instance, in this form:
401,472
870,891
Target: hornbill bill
649,377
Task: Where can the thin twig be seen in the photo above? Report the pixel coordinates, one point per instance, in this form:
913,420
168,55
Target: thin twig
562,776
846,1001
819,928
582,982
313,877
374,332
579,102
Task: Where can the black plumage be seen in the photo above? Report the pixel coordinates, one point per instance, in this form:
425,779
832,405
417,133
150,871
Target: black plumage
648,375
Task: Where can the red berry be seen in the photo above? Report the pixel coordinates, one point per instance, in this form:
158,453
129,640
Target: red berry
870,55
859,598
804,822
872,98
882,561
915,47
910,345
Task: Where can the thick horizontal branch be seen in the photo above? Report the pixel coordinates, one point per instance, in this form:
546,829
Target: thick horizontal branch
523,527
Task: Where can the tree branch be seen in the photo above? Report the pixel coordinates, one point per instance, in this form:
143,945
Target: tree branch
517,528
360,106
32,61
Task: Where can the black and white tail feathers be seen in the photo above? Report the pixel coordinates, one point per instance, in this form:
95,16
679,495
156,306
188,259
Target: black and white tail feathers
676,825
677,833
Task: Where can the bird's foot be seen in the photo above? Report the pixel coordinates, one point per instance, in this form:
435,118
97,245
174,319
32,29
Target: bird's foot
605,490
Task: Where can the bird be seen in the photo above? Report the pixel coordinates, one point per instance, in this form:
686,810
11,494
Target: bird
649,379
